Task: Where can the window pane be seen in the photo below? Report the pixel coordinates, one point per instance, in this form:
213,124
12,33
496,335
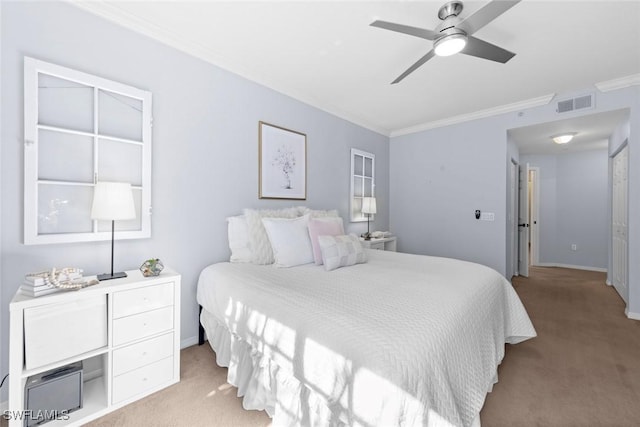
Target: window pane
368,167
64,208
63,103
65,157
126,225
368,187
120,162
119,116
357,167
357,186
357,208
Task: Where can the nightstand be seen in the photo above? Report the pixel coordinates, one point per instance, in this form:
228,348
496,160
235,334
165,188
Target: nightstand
381,244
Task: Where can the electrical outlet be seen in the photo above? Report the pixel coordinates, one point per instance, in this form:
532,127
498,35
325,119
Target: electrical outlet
574,247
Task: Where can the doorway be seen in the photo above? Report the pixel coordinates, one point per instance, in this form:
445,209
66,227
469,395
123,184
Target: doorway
556,240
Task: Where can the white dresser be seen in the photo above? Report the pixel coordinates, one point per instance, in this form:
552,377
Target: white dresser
125,331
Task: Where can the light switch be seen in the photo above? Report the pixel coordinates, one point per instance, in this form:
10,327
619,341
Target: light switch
487,216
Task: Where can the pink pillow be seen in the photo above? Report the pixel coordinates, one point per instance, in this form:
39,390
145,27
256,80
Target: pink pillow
328,226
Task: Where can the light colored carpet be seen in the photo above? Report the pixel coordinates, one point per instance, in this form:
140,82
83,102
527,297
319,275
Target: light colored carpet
583,369
201,398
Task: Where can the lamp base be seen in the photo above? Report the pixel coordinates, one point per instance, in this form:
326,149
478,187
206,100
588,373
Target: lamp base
107,276
366,236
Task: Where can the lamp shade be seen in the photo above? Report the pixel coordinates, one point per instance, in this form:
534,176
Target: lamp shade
113,201
368,205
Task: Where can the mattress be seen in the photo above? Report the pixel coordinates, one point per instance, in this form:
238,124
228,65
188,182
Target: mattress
400,340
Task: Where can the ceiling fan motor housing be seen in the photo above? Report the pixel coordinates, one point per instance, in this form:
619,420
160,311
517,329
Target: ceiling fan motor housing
453,8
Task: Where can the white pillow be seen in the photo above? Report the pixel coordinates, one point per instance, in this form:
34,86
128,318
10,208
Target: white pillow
261,252
238,231
290,240
315,213
341,251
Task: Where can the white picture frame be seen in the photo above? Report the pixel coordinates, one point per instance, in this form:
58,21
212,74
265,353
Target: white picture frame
282,163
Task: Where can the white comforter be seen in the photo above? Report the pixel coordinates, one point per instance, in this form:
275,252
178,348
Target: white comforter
400,340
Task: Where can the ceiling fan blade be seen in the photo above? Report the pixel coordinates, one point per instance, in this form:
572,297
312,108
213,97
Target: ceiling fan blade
486,50
415,66
423,33
486,14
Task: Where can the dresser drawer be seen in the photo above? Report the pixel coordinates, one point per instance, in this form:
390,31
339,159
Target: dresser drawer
131,328
378,246
126,303
141,354
136,382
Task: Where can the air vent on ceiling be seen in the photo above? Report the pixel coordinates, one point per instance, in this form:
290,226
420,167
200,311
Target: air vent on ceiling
578,103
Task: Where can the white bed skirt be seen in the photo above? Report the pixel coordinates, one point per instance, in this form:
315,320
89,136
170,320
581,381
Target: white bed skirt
263,385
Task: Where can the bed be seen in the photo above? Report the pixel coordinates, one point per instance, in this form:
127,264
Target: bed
399,340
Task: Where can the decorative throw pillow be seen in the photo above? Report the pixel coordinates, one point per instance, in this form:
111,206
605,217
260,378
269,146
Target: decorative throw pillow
326,226
238,232
289,240
341,251
261,252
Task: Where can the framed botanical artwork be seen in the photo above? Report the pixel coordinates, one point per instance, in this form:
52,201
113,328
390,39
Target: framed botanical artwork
282,163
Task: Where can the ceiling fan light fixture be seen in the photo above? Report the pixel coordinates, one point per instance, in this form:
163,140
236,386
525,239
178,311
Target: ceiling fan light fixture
563,138
450,45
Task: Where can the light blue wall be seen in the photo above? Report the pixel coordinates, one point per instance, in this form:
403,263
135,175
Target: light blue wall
573,203
438,177
205,149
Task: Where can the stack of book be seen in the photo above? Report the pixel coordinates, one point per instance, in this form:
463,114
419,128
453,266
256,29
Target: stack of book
36,286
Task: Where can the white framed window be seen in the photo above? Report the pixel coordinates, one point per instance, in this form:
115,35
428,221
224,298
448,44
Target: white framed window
80,129
362,182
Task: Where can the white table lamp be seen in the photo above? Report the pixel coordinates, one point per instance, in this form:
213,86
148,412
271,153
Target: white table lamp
368,208
112,201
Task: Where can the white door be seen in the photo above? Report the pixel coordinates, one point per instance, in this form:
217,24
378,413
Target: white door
619,214
523,221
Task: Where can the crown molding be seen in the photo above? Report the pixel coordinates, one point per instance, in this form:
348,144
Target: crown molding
620,83
494,111
119,16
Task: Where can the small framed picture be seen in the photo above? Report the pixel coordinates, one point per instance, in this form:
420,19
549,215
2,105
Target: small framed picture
282,163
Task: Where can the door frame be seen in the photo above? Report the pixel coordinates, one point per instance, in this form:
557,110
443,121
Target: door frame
513,214
534,215
523,220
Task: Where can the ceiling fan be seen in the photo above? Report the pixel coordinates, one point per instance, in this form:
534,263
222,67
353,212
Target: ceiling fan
454,34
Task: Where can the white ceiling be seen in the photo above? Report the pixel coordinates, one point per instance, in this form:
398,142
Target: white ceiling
326,54
592,132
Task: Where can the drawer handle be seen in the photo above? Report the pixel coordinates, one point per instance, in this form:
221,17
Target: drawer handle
144,353
144,379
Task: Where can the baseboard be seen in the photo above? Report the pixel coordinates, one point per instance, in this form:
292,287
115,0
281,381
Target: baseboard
608,282
575,267
634,316
188,342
